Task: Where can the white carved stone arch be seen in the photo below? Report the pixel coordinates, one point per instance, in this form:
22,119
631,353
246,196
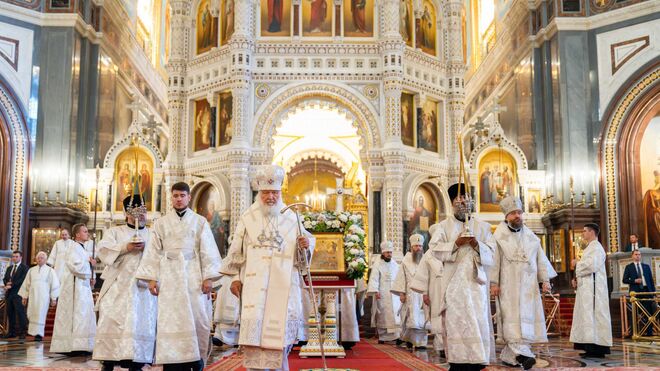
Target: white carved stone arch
317,153
14,117
505,144
117,148
268,117
220,183
413,182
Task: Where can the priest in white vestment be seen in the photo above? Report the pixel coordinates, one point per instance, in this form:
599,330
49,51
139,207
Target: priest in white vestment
349,331
39,291
427,282
592,326
262,259
348,306
226,315
126,330
58,254
520,266
385,305
464,296
413,312
75,320
180,262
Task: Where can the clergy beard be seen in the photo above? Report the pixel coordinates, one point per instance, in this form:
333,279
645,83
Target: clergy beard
516,224
387,260
417,256
271,210
459,215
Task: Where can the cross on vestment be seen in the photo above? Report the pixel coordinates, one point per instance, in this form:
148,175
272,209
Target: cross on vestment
340,191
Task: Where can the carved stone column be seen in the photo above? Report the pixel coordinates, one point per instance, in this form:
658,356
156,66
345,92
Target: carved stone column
239,181
453,46
176,96
242,49
391,48
394,165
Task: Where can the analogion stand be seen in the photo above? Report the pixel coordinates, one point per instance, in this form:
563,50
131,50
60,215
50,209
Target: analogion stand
326,290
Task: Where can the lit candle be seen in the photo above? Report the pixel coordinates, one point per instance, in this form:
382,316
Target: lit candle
593,188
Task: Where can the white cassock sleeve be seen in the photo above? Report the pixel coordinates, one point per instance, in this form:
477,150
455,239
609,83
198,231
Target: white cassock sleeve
210,260
109,249
399,284
54,285
442,247
24,291
588,264
53,255
78,264
545,269
234,262
487,249
374,282
494,270
149,268
420,282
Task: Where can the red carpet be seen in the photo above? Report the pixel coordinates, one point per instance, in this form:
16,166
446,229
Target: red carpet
366,355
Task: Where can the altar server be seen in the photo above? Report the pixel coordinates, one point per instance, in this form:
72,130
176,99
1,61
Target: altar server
386,306
39,292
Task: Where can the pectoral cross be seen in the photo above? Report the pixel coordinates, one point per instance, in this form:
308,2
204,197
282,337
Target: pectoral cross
340,191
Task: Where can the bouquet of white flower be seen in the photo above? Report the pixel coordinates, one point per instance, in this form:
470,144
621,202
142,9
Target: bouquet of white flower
351,225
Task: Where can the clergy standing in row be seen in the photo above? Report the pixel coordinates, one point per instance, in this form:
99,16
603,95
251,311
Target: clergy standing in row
58,254
520,266
180,262
262,260
413,313
592,327
75,321
427,281
465,302
386,306
126,332
39,292
349,331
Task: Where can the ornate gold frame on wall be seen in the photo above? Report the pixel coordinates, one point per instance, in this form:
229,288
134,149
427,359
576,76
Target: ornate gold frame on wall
43,239
320,258
610,149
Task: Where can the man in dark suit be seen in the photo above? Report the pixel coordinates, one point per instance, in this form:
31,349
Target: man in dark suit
638,277
634,243
14,276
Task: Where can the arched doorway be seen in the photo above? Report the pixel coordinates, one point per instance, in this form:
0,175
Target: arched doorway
14,160
6,156
629,158
208,202
319,147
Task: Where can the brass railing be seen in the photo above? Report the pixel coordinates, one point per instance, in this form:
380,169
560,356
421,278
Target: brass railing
3,317
645,312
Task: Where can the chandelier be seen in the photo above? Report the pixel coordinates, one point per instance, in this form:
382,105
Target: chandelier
315,198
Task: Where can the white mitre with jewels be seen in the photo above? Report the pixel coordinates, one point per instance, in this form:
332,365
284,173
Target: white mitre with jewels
509,204
269,178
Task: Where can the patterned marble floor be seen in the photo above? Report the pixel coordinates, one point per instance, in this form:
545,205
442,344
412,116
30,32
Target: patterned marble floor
556,354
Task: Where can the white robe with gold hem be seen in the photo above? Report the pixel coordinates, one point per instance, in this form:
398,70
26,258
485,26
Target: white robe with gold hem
75,320
271,303
180,255
520,265
126,329
465,300
413,316
40,286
